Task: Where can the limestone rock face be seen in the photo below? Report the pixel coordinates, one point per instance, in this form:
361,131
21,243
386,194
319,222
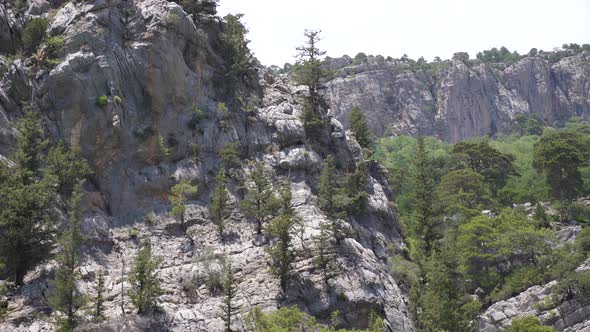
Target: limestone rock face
461,101
568,315
156,66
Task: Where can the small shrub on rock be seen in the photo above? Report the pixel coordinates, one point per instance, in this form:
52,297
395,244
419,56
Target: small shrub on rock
34,34
102,101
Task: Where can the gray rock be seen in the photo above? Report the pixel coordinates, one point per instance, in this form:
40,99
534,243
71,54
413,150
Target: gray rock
461,101
155,65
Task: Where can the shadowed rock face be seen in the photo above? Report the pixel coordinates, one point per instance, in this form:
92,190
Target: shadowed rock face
460,101
155,65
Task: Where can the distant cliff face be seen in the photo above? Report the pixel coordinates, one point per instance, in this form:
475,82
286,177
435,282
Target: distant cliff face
462,101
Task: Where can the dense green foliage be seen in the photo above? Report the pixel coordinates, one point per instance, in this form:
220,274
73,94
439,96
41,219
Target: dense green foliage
502,55
504,251
291,319
145,286
34,33
528,324
494,166
559,155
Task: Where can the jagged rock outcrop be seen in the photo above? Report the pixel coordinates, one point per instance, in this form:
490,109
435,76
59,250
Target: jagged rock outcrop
156,65
538,301
462,100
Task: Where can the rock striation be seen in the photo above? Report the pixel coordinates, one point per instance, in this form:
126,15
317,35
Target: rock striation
463,100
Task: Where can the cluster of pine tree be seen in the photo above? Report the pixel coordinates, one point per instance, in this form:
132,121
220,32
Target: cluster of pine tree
460,261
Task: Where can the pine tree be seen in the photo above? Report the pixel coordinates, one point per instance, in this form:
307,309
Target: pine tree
145,286
309,72
328,197
285,196
355,190
26,218
282,252
260,200
324,253
230,290
424,226
99,299
360,128
219,204
67,299
239,61
178,199
541,216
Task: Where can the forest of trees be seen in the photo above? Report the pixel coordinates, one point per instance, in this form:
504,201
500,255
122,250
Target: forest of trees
455,251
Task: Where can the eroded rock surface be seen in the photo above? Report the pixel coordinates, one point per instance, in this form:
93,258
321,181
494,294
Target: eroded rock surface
156,65
461,101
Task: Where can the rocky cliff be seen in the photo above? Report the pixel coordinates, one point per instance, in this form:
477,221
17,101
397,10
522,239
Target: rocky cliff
461,99
568,315
156,65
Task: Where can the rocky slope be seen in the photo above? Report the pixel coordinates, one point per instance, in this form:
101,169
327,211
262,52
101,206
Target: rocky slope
463,100
156,65
568,316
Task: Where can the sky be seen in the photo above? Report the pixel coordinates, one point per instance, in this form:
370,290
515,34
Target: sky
417,28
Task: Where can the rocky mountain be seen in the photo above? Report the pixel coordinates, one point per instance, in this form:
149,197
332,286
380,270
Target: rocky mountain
133,78
461,99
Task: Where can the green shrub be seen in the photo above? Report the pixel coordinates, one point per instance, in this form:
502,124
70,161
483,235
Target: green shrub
576,285
528,324
53,46
172,20
579,212
150,219
102,101
118,100
517,282
190,286
229,155
214,281
133,233
222,109
163,149
196,118
34,33
583,241
404,270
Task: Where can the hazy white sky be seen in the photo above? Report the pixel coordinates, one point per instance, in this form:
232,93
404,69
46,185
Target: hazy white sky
417,27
